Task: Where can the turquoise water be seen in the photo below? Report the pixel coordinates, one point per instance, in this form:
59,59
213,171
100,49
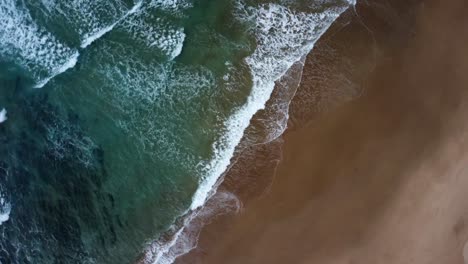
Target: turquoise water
123,114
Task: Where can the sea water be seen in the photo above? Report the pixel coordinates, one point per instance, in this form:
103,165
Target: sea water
140,108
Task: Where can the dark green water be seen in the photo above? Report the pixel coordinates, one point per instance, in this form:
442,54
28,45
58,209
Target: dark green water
140,107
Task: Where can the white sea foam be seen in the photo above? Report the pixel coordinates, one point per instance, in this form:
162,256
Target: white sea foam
283,37
185,237
93,36
5,209
3,115
271,122
171,4
30,46
95,32
138,90
178,48
60,69
171,44
90,38
87,19
156,32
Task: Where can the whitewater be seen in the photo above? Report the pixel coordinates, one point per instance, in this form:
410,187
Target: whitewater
142,108
44,56
294,36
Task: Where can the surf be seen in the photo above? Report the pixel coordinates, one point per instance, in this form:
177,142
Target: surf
156,99
90,38
34,48
283,38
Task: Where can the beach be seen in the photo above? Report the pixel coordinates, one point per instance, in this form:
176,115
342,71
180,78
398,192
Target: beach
369,173
120,117
240,131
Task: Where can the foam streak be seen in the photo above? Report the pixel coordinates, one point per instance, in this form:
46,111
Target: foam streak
90,39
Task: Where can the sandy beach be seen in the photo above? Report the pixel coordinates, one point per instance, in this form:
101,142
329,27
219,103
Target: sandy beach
369,173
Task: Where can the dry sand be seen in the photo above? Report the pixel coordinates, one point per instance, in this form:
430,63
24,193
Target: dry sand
380,179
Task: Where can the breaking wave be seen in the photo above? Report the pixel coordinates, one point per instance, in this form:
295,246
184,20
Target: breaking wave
283,37
24,42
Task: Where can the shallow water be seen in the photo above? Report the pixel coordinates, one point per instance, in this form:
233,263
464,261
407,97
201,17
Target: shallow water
140,107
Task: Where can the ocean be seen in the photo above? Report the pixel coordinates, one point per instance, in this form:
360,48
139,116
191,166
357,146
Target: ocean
118,117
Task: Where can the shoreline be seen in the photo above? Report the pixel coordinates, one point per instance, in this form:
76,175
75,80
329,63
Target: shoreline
333,197
265,83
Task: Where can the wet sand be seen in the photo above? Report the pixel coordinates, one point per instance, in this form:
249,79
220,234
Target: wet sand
381,178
